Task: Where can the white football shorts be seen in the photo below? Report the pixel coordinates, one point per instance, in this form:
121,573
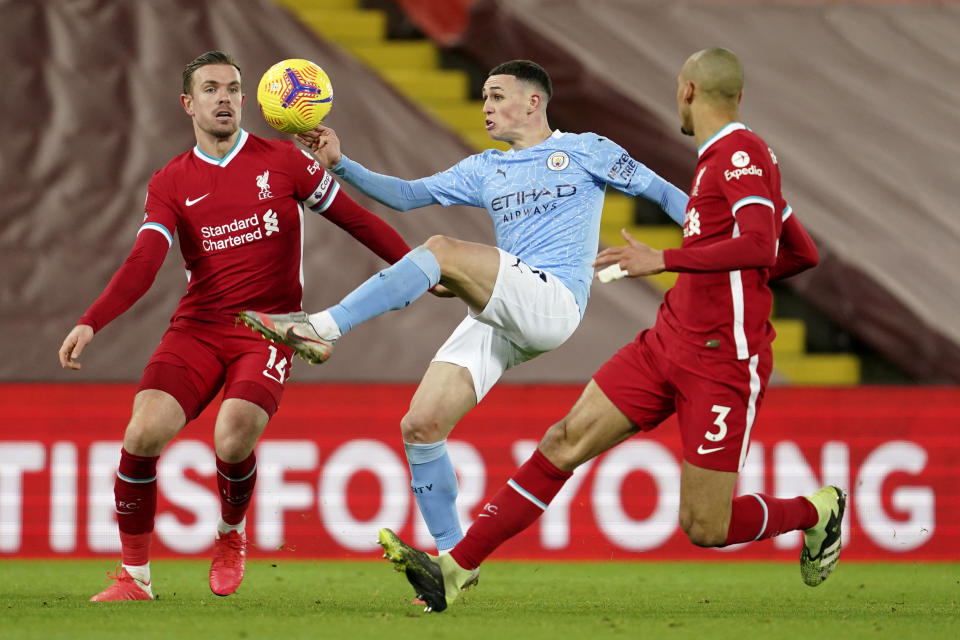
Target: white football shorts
530,312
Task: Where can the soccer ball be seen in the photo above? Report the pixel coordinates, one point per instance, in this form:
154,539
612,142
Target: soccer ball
294,95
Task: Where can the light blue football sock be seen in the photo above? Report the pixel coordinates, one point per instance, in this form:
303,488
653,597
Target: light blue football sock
393,288
434,485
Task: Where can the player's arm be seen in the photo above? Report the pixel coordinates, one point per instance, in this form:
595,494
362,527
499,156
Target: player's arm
755,248
797,250
366,227
396,193
609,162
671,199
128,285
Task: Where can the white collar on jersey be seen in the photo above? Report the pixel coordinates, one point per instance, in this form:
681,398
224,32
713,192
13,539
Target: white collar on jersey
724,131
556,134
225,160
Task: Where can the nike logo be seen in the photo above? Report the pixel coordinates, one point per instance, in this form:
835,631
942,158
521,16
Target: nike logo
704,452
293,336
190,202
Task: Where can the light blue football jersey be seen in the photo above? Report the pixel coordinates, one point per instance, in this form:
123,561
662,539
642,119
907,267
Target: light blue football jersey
546,200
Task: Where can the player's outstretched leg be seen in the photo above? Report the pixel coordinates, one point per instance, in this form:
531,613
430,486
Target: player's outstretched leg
124,587
821,543
293,330
437,580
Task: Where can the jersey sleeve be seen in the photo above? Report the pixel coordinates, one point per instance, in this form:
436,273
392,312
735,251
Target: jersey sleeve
396,193
160,211
139,270
753,246
608,162
310,180
312,184
320,193
460,184
797,252
744,176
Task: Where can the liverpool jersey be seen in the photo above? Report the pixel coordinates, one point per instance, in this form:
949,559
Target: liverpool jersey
239,220
726,312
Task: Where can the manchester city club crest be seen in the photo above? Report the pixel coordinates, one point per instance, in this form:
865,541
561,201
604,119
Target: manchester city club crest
558,161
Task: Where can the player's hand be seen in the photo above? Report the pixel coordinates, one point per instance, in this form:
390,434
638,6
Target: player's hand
636,258
441,291
323,143
73,345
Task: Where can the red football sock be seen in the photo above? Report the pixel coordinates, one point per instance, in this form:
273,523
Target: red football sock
236,480
135,493
511,510
757,516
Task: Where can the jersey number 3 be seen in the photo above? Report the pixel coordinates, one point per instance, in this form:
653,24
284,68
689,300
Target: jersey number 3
721,433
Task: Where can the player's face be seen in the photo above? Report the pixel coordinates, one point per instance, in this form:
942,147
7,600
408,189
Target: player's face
683,106
216,99
505,106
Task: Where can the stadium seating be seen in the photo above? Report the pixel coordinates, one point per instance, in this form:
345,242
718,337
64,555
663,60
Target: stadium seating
411,66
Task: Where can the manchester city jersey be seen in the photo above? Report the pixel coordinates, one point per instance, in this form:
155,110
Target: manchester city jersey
546,200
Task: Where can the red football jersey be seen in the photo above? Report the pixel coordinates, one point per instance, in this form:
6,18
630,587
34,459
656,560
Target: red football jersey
725,312
240,223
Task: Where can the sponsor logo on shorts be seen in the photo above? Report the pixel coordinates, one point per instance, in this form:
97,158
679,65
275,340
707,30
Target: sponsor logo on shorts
520,264
702,451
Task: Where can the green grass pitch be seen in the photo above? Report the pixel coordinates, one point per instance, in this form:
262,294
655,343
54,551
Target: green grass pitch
557,601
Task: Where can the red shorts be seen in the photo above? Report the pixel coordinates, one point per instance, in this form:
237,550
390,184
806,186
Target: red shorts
195,359
716,400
